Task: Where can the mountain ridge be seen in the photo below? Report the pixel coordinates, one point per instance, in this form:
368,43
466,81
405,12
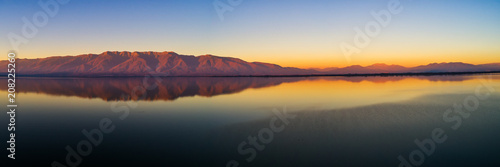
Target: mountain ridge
124,63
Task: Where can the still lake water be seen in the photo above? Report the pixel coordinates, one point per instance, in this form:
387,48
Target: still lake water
196,121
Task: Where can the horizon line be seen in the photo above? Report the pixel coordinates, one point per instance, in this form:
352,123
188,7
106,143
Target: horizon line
307,68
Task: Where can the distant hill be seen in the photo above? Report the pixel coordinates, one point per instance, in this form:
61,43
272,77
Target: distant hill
173,64
430,68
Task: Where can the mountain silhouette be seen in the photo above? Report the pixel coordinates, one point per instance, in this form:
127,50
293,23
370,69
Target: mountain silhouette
172,64
141,63
430,68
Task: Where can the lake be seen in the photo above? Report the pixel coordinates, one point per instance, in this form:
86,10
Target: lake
258,121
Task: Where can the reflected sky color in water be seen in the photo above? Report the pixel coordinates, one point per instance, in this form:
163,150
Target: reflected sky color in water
344,121
298,93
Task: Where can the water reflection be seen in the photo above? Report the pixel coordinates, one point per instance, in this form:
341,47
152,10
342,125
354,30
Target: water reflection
171,88
373,135
341,121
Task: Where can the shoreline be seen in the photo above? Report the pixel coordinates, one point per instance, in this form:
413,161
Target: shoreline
265,76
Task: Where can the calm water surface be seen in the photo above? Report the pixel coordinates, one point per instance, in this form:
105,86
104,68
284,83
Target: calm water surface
338,121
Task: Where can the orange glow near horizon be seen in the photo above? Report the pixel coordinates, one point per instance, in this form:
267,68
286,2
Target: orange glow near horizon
327,61
366,61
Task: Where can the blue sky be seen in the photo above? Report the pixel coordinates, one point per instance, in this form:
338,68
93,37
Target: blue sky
304,33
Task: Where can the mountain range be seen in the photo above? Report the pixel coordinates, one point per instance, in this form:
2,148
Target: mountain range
452,67
172,64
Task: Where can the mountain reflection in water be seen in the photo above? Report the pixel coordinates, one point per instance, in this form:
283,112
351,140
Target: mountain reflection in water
172,88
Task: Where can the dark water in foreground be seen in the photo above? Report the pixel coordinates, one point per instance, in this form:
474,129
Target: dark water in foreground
331,121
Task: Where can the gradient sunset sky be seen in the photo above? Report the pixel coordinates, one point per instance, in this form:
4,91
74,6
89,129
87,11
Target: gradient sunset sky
298,33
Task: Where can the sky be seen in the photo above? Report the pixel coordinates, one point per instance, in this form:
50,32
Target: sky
296,33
